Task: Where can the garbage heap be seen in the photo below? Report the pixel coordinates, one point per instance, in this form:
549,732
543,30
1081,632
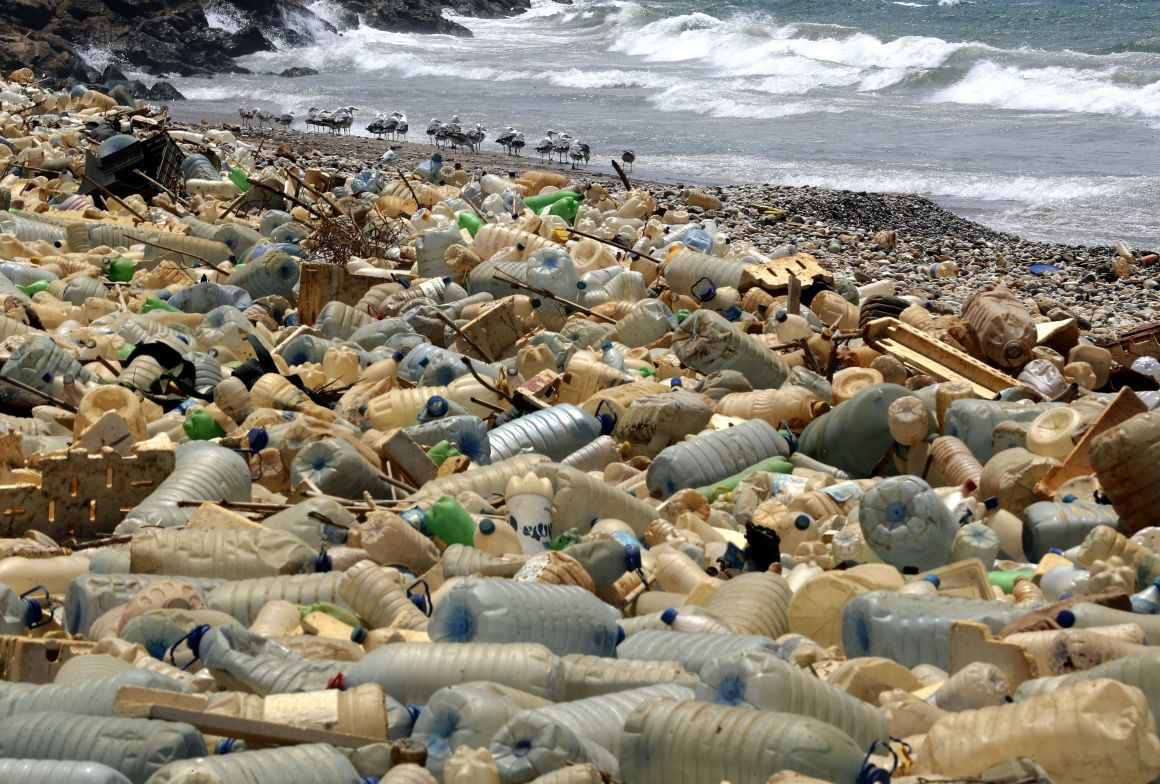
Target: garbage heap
312,476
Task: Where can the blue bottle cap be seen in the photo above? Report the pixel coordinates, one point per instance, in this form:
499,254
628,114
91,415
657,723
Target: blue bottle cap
1070,498
991,503
781,315
619,634
581,285
933,579
802,522
437,406
486,527
358,634
669,615
1065,618
1055,551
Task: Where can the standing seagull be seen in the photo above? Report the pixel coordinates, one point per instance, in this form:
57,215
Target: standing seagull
433,130
505,139
546,146
246,115
517,142
475,137
264,116
563,144
401,125
285,120
628,156
579,151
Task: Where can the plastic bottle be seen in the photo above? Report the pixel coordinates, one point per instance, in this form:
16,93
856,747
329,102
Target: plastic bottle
565,619
1002,327
708,343
466,715
855,435
954,462
412,672
1104,542
220,552
1147,601
1126,458
244,599
691,651
795,406
769,684
944,269
713,456
308,761
30,771
204,472
596,455
1048,525
911,629
693,624
1082,733
906,525
555,432
374,593
1136,669
658,745
91,698
648,321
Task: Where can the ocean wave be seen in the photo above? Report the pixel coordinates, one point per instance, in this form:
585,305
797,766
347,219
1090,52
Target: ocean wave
1053,89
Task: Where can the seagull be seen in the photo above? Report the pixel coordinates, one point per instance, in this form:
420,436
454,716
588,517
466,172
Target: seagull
562,145
388,156
546,145
264,116
401,125
342,119
311,118
578,151
381,126
628,156
475,137
505,139
285,120
433,128
246,115
517,142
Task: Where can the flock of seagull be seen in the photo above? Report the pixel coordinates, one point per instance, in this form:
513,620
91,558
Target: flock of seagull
453,134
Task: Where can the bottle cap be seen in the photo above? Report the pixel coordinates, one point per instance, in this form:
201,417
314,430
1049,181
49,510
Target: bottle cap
358,634
933,579
632,557
991,503
802,522
437,406
487,527
1069,498
669,615
781,315
1065,618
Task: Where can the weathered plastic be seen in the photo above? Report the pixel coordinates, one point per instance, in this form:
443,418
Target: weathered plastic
590,676
306,762
92,698
906,524
135,747
767,683
581,499
1048,524
244,661
754,603
713,456
1141,670
220,552
38,771
375,593
243,599
707,342
1126,459
555,432
412,672
855,435
691,651
668,742
204,472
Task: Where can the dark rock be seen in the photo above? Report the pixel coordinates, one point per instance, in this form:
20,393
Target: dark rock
164,91
112,74
293,73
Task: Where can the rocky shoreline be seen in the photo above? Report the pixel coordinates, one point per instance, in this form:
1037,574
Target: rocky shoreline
166,37
843,228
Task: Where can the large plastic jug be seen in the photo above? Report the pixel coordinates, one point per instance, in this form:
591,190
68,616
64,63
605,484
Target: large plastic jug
707,343
653,422
713,456
581,499
204,471
913,629
563,618
91,698
305,762
855,436
1126,459
1091,732
1048,524
753,603
135,747
659,746
589,676
1002,327
1141,670
795,406
411,672
556,432
220,552
378,596
906,524
767,683
31,771
243,661
691,651
243,599
973,421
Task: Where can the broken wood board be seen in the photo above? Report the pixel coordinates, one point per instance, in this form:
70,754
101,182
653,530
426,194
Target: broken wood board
495,330
774,276
1123,407
80,493
321,283
36,660
942,362
401,452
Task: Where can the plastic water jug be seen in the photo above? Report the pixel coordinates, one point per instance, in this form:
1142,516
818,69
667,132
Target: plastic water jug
692,651
220,552
375,593
1002,327
305,762
589,676
30,771
659,745
1126,459
1048,524
906,524
243,599
707,342
555,432
565,619
92,698
767,683
855,435
753,603
912,629
713,456
412,672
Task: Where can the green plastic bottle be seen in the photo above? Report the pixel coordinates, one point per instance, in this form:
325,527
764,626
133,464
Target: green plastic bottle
774,465
450,523
566,539
1006,580
566,209
441,451
537,203
201,426
153,303
470,221
334,611
119,270
238,177
35,287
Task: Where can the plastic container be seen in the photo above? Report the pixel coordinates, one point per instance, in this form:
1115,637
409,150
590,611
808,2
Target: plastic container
1048,525
691,651
581,499
954,462
243,661
305,762
244,599
912,629
756,604
713,456
32,771
1126,458
203,472
1141,670
412,672
664,743
220,552
795,406
1091,732
708,343
1002,327
563,618
906,524
769,684
91,698
375,593
590,676
555,432
855,435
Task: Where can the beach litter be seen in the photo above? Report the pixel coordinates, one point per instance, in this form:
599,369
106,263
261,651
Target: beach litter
358,472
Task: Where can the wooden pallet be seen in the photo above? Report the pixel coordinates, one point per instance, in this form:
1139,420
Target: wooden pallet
322,283
942,362
774,276
37,659
1143,341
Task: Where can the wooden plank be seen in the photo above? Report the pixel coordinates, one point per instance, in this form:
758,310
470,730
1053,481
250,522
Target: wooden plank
774,276
322,283
400,451
1123,407
973,642
495,330
137,701
939,360
258,732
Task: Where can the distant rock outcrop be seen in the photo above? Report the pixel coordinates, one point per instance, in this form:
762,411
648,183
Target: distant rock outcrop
166,37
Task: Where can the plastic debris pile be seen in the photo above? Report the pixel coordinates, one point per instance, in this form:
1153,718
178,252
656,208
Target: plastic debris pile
311,475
